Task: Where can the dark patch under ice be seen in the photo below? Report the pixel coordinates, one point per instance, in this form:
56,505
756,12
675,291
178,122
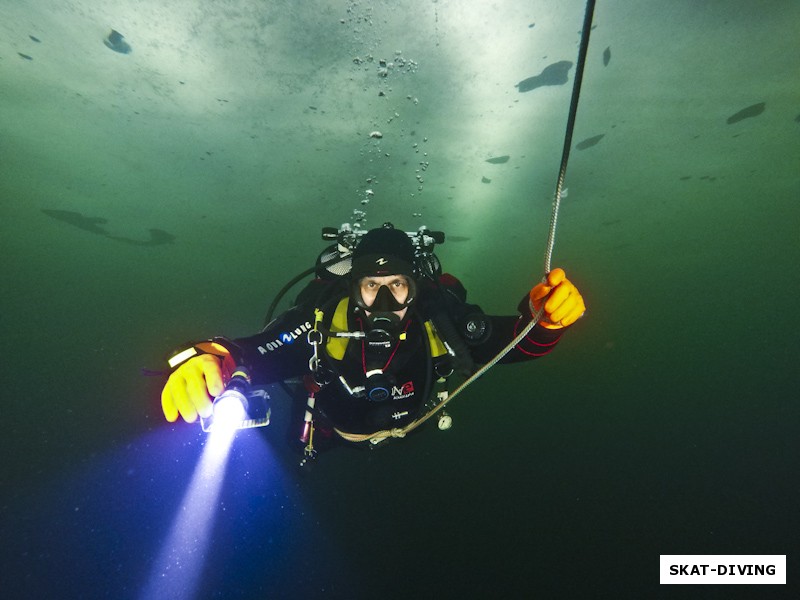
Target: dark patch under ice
555,74
589,142
158,237
747,113
76,219
116,41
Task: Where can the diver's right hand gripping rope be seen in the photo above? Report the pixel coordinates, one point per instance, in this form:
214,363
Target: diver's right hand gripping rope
379,436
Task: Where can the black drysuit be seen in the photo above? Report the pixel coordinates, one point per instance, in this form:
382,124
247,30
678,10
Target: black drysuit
281,351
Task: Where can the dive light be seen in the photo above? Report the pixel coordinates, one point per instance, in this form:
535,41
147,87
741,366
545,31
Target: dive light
239,406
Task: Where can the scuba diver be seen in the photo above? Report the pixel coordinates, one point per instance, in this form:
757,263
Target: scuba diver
374,338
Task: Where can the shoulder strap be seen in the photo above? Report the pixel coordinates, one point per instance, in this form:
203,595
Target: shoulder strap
437,346
336,347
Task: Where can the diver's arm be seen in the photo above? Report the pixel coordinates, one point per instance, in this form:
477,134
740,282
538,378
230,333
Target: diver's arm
539,341
561,304
281,350
201,371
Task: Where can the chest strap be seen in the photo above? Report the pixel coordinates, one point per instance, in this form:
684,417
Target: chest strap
337,346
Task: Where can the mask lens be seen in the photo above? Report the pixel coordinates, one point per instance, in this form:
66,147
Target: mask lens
384,293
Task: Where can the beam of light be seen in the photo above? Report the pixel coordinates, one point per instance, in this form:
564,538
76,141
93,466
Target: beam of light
177,569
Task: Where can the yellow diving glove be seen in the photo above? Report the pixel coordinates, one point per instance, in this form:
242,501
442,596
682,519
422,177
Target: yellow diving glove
563,304
193,385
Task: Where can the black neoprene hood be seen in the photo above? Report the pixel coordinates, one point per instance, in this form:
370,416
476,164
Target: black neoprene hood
384,251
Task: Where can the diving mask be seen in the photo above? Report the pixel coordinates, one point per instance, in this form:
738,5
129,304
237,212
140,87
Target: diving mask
394,294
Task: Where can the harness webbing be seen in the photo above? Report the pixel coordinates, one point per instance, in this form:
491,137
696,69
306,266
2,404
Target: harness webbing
336,347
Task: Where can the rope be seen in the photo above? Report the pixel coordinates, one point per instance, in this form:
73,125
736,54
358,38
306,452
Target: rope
573,111
379,436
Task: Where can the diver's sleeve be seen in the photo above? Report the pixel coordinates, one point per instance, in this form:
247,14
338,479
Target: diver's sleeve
538,342
281,351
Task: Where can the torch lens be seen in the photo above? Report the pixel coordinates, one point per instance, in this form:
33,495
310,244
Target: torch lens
229,410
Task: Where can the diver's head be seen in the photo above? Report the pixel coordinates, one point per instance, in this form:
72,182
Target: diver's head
382,277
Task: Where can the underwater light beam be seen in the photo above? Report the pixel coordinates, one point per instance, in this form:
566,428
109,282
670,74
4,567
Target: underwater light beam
177,569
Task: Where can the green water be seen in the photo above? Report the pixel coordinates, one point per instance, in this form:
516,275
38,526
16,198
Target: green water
666,421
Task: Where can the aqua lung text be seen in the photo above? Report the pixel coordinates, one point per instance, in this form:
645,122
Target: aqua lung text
285,338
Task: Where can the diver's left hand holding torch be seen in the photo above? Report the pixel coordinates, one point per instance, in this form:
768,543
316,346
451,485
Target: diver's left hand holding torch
206,381
193,385
563,303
